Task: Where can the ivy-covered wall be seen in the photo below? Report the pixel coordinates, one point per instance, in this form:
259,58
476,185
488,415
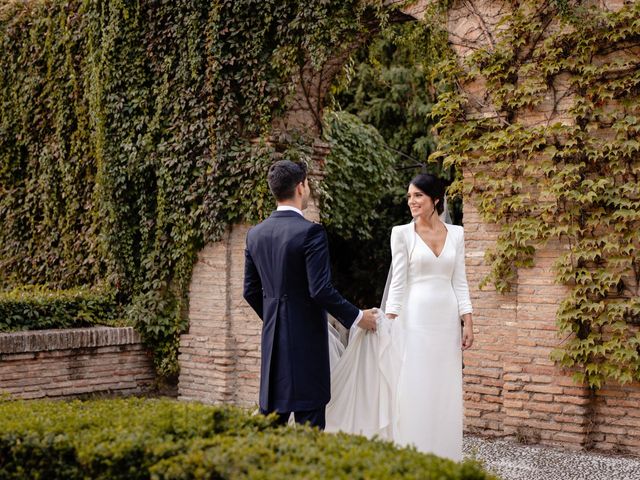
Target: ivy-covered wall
124,148
554,148
125,133
544,125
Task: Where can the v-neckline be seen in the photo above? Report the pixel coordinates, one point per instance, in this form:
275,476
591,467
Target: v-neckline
446,239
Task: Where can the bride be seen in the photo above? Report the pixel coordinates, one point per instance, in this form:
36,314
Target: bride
404,383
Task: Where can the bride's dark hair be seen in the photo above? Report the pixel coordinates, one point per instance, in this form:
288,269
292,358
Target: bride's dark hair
432,186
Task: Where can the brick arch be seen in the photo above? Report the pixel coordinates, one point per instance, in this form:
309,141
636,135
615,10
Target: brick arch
512,388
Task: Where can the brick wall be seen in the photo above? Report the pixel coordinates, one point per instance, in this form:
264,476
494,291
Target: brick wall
61,363
220,355
616,419
495,334
512,388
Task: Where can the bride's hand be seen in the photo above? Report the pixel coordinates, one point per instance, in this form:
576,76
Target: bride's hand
467,336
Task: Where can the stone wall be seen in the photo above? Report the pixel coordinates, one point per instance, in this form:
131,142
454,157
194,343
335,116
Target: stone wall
62,363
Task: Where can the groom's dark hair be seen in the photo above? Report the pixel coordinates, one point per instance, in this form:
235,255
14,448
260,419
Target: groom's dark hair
283,177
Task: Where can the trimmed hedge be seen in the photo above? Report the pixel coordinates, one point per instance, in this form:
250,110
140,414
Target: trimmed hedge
35,308
162,439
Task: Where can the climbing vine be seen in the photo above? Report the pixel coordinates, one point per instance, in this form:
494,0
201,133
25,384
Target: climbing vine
130,136
553,145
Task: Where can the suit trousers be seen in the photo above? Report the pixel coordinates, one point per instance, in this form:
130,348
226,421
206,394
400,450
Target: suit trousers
315,418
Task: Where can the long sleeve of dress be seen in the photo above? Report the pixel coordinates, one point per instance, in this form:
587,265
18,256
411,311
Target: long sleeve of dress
399,263
459,278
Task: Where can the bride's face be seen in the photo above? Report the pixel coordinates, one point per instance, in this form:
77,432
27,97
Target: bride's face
419,202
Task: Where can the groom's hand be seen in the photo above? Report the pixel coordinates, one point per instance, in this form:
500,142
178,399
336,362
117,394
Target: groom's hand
368,320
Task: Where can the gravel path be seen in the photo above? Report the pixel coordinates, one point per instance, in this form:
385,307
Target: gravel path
513,461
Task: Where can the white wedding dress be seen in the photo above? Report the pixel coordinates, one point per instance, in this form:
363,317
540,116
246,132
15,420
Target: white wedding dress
363,381
404,383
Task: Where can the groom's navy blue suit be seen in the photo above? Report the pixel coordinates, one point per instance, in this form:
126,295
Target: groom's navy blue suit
288,283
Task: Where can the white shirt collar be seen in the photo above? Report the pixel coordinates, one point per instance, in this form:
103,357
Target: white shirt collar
282,208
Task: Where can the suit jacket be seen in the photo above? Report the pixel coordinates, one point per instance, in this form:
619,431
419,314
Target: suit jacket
287,281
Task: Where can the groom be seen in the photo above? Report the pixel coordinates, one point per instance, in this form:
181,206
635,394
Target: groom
287,281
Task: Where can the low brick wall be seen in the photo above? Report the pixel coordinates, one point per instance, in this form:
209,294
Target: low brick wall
60,363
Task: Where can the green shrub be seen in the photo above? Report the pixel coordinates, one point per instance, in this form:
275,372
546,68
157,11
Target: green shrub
306,453
162,439
35,308
107,439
